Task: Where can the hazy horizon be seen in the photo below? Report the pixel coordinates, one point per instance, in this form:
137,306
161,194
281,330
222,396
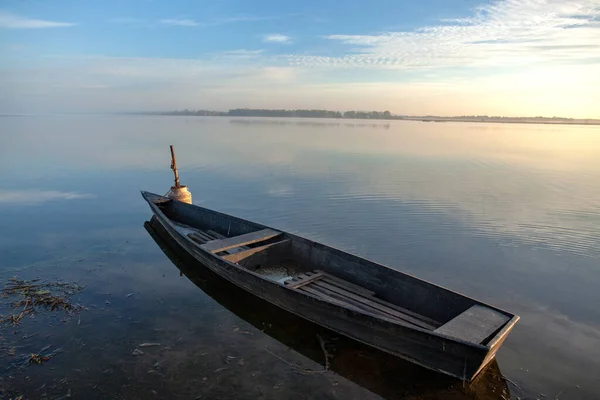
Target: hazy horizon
394,115
446,58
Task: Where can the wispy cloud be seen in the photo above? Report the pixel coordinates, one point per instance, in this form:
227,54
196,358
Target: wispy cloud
537,57
179,22
39,196
243,52
501,33
277,38
189,22
13,21
247,79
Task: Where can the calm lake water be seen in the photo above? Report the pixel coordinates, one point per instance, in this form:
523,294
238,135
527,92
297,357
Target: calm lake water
509,214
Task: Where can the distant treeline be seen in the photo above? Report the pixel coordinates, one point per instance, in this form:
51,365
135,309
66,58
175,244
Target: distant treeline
249,112
253,112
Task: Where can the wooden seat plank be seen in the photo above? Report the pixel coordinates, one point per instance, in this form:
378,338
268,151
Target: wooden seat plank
204,236
345,300
196,238
427,320
379,305
406,311
326,297
247,252
304,279
331,298
474,325
349,303
216,246
200,237
334,280
217,235
366,292
333,284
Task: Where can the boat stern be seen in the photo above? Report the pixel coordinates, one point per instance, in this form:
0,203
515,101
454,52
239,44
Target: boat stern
496,342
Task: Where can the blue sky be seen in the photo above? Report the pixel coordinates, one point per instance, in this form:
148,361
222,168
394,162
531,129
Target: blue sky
447,57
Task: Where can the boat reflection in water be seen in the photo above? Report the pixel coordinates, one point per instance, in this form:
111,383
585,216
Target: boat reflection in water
377,371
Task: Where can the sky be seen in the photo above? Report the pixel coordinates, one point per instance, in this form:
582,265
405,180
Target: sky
425,57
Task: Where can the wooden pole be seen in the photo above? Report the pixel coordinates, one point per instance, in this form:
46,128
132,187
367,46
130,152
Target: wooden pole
174,167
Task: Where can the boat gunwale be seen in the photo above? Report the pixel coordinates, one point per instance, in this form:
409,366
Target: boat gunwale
503,332
506,328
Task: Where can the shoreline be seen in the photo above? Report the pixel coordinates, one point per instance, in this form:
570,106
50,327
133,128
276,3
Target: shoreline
593,122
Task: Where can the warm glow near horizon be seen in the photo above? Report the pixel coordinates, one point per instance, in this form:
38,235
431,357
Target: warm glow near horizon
501,58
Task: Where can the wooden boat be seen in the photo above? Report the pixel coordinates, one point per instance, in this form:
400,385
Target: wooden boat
388,376
402,315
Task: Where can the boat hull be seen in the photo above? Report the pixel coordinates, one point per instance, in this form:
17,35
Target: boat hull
452,357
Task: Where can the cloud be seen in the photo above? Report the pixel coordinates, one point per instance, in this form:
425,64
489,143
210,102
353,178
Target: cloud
277,38
179,22
12,21
39,196
499,34
188,22
507,57
257,80
243,52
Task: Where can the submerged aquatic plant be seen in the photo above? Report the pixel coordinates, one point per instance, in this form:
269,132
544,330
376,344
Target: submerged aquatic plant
28,297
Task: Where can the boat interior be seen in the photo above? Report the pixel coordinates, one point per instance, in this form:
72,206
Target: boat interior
334,276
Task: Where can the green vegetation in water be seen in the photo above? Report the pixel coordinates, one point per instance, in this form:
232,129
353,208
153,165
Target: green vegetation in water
29,297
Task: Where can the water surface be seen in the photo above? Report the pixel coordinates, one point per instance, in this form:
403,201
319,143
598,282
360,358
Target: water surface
509,214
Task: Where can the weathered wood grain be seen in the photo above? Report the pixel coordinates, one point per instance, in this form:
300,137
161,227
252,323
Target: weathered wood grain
196,238
203,236
243,254
348,285
354,304
403,310
359,290
302,280
381,306
474,325
330,299
216,246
